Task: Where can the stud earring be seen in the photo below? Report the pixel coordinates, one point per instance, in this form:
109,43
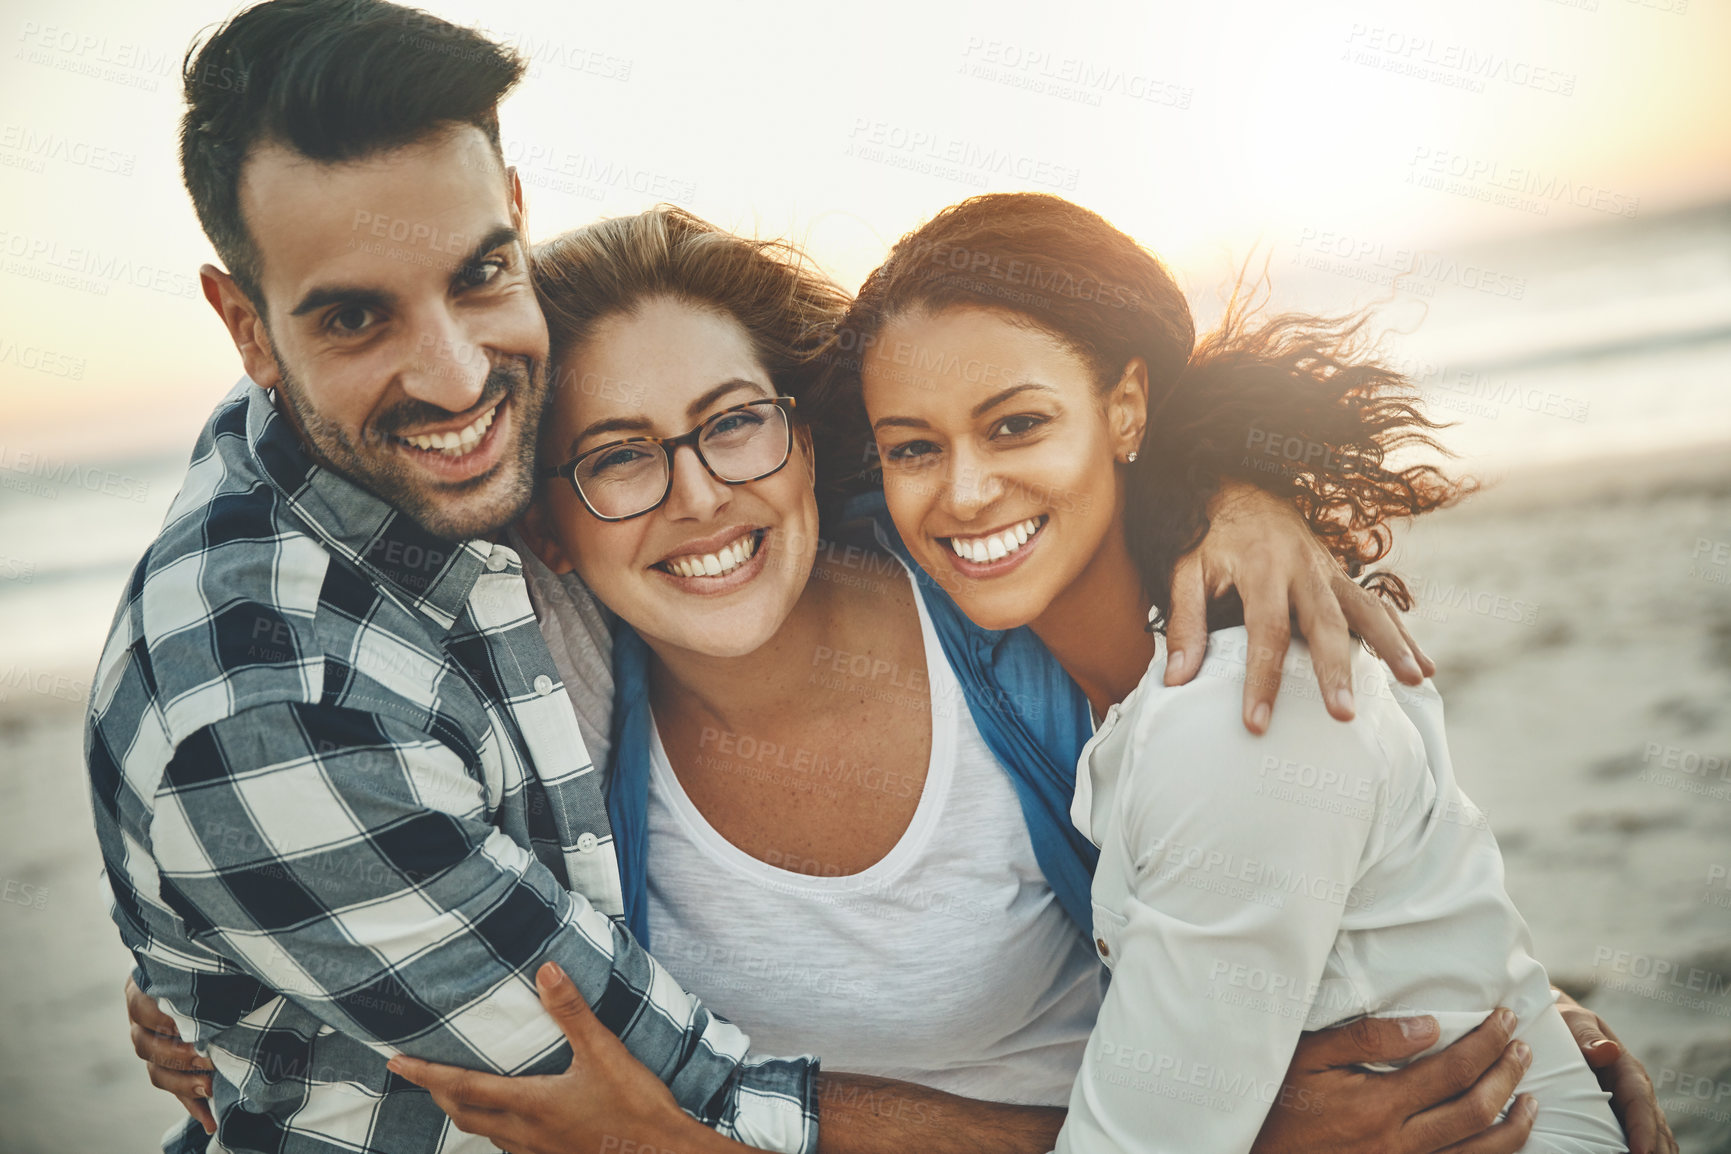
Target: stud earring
1131,459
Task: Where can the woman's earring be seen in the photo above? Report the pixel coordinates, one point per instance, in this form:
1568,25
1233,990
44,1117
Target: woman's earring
1131,459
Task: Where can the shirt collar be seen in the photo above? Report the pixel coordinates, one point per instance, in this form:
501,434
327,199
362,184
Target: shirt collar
431,574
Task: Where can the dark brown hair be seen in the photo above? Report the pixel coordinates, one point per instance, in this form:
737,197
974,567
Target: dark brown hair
333,80
1215,407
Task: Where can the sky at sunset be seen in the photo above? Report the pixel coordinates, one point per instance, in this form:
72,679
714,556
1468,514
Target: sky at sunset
1202,129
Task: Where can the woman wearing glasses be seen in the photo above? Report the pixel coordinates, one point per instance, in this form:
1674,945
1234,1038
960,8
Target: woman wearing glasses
825,829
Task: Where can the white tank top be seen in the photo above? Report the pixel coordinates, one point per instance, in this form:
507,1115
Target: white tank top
949,962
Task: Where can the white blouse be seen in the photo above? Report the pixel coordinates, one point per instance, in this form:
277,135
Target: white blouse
1251,888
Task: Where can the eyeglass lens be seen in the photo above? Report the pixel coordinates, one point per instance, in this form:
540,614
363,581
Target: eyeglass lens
741,444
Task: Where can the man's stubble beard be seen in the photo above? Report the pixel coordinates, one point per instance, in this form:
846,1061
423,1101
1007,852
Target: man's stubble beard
385,473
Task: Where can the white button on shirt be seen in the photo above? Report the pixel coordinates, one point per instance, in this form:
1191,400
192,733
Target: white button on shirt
1252,888
498,559
586,842
543,685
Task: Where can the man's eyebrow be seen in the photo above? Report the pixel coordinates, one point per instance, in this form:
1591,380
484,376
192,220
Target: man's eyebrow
502,235
976,412
354,295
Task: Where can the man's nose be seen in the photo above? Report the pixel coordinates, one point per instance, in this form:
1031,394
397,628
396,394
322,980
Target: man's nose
447,365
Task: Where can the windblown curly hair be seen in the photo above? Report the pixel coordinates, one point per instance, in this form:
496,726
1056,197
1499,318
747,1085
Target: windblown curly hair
1299,405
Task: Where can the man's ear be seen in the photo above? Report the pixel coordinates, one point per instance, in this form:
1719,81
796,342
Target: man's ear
1127,409
535,530
245,327
519,213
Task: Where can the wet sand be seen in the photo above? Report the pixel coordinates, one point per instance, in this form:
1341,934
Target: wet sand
1584,633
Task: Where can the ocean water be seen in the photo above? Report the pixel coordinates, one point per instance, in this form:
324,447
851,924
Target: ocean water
1603,341
70,533
1558,347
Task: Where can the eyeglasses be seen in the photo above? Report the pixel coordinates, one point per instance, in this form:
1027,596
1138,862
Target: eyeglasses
625,479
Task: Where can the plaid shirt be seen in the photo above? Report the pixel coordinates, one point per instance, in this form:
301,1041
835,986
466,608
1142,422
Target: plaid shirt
345,813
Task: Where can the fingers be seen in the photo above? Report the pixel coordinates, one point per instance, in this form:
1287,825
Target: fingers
168,1052
144,1011
180,1083
1637,1108
1475,1111
1187,621
200,1111
1633,1098
171,1064
1426,666
1368,1040
192,1091
1460,1067
1324,627
1268,621
453,1086
1505,1137
458,1090
476,1103
560,997
1377,623
1598,1045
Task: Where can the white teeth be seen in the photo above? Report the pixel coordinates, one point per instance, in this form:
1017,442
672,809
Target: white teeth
996,546
458,443
718,564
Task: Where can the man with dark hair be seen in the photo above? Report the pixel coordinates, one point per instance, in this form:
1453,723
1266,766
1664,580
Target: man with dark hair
344,810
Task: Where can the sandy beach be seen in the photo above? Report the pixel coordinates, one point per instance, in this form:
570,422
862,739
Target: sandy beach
1593,724
1582,620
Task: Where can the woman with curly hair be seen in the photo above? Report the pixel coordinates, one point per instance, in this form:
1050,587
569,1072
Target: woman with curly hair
1049,434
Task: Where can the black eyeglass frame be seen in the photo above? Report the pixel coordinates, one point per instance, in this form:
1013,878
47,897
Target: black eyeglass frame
669,447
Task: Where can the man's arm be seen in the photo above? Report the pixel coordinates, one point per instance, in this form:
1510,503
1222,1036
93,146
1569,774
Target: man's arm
606,1100
865,1115
344,860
